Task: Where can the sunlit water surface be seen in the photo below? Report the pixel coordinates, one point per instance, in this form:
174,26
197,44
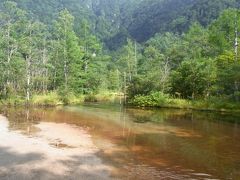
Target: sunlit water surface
136,143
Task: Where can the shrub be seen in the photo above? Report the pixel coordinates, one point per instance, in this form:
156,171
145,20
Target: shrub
156,99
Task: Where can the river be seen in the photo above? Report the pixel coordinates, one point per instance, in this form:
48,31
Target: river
111,142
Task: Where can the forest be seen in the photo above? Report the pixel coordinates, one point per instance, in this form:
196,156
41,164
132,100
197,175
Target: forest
176,53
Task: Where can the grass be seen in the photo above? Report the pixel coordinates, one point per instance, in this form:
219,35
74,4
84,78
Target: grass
159,99
56,99
13,101
103,96
50,99
156,99
216,103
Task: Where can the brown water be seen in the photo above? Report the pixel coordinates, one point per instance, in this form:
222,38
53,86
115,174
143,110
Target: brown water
145,144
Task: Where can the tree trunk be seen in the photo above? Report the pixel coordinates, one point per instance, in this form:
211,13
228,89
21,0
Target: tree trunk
28,61
136,60
125,88
236,83
44,73
65,58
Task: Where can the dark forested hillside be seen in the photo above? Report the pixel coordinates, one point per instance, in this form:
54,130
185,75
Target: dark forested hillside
104,16
155,16
115,20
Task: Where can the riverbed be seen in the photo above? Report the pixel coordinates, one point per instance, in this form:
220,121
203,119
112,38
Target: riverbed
112,142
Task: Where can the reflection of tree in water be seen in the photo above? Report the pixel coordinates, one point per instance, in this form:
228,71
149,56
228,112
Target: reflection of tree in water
157,116
161,115
231,117
23,120
191,138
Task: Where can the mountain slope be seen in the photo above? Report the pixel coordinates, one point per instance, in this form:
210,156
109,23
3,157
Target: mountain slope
173,15
115,20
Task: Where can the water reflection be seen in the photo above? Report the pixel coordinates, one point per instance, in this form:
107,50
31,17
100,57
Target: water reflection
147,144
23,156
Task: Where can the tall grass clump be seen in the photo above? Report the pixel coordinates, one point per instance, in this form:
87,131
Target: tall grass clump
49,99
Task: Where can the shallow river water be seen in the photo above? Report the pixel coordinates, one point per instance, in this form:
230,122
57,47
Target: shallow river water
111,142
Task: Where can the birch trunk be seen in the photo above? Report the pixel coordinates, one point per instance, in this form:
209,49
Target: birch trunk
236,83
28,61
65,57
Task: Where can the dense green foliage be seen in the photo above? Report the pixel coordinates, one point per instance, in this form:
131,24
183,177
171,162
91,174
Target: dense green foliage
62,50
114,20
199,64
37,58
174,15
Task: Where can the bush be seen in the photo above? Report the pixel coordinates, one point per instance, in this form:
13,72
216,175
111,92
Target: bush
156,99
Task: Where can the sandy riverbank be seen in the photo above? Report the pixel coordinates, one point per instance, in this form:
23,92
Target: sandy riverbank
54,151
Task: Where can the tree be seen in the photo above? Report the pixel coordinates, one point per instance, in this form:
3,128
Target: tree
69,49
197,39
224,37
11,17
32,41
191,79
129,59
